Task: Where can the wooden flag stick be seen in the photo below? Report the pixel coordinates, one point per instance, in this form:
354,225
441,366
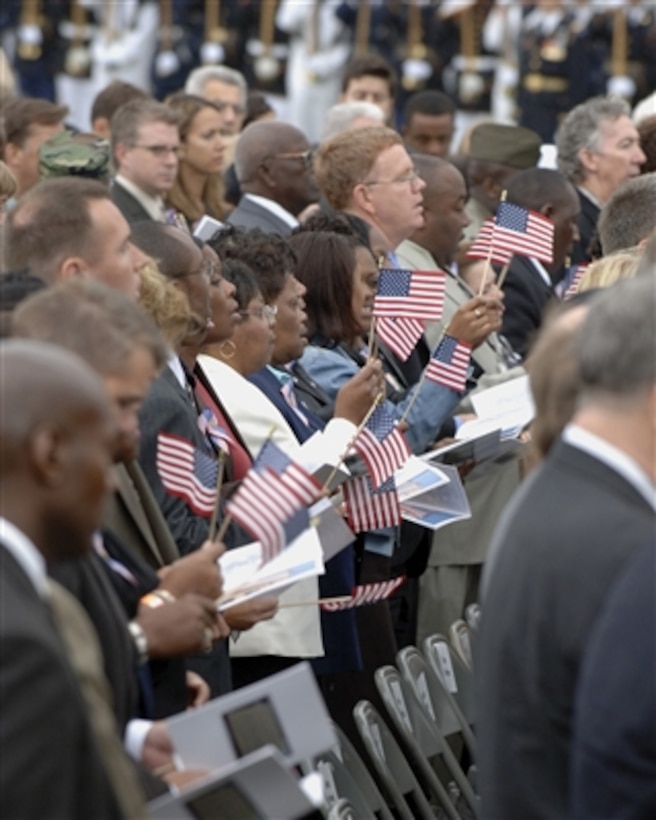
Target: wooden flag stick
373,346
502,275
219,483
359,429
486,269
338,599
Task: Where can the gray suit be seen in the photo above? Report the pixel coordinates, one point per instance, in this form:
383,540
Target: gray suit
130,207
132,513
450,580
49,765
570,531
250,214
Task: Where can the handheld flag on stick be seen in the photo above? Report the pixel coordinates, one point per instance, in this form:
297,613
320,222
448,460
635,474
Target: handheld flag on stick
365,594
410,294
369,509
449,364
382,446
187,473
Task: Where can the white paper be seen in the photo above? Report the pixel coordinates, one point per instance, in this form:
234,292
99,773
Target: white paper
244,577
507,407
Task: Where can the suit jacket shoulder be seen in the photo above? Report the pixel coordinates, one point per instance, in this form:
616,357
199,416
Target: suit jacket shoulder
168,409
130,207
250,214
44,729
526,295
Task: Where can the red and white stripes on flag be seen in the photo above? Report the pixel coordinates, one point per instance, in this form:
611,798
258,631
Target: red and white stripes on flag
261,506
382,457
525,232
449,364
483,246
369,509
366,594
400,335
573,287
410,294
187,473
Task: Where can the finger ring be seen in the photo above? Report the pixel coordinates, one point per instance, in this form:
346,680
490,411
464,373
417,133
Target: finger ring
477,313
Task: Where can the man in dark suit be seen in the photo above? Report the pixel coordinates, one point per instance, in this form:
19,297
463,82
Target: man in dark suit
529,284
563,541
56,433
145,144
598,149
273,162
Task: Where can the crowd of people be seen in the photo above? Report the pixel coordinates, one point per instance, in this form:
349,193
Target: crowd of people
194,278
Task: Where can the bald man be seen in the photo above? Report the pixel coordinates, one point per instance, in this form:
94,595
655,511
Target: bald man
56,436
273,162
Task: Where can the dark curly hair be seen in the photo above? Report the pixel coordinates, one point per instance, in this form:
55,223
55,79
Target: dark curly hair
268,255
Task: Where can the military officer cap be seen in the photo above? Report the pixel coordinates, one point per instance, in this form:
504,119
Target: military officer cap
69,154
509,145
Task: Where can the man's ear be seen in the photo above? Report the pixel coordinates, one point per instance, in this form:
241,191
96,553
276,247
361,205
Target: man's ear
45,453
13,154
492,188
72,267
120,152
361,199
548,209
265,176
588,159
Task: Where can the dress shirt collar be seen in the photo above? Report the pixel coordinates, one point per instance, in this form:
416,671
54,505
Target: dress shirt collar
614,458
584,192
153,204
542,271
178,371
28,556
275,208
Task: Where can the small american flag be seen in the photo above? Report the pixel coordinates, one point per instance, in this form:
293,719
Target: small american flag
212,430
366,594
369,509
263,507
400,335
483,246
575,281
187,473
303,486
449,364
382,446
410,294
524,232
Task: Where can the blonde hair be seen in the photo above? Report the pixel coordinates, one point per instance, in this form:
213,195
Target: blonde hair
344,161
610,269
8,184
166,305
188,106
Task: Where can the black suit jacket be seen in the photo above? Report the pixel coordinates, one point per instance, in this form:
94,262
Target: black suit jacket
587,224
49,764
526,295
565,538
130,207
169,408
249,214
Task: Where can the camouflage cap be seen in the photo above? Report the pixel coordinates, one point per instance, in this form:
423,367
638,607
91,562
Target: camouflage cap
69,154
506,144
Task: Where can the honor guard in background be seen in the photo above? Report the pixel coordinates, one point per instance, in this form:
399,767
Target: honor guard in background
31,35
319,48
559,65
501,36
106,40
469,72
626,31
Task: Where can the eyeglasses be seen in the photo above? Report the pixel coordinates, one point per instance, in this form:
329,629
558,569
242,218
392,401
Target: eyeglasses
160,151
236,107
268,312
305,156
207,270
410,178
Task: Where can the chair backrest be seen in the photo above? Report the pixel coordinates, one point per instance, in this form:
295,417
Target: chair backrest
432,755
456,678
392,768
460,638
473,616
345,775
